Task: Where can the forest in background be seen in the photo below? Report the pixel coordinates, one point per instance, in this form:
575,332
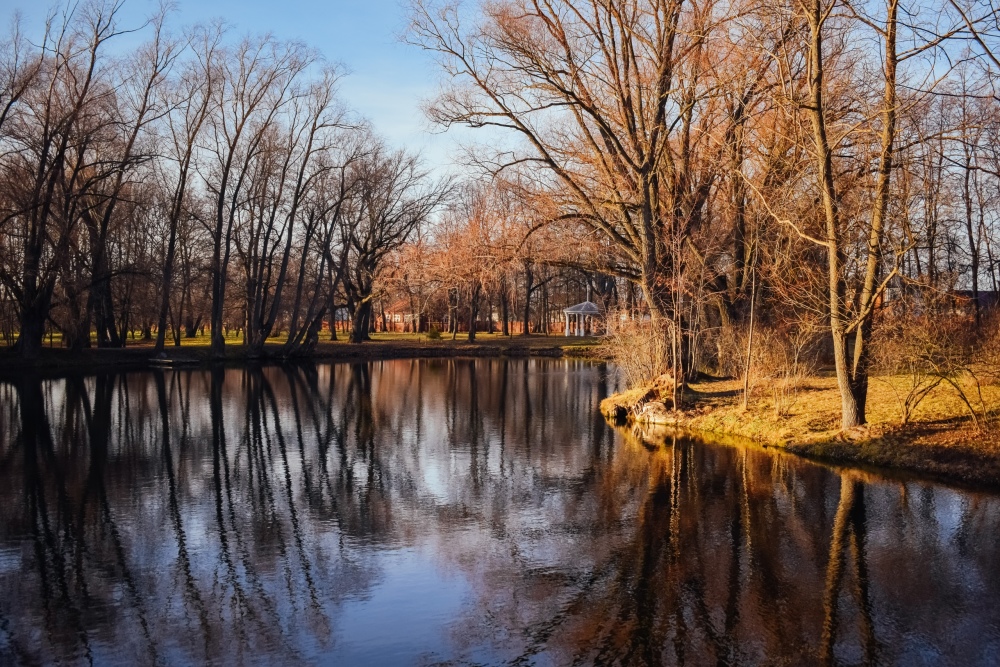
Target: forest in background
821,176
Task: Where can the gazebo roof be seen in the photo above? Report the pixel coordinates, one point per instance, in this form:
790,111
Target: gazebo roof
585,308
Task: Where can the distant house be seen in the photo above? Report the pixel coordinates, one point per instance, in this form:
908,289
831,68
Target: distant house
339,321
916,299
400,317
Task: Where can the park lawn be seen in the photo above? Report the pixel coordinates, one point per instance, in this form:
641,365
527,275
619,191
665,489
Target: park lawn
137,353
234,339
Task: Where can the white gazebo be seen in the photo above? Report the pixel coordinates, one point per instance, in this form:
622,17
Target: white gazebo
577,317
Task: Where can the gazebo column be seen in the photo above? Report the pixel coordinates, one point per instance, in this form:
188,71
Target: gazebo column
566,315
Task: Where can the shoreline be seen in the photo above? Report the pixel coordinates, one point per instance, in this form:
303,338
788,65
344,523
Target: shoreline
947,450
941,445
54,361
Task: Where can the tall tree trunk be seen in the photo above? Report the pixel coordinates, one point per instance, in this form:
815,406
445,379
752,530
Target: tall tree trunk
850,415
29,338
504,310
873,269
166,282
529,280
489,315
361,321
474,310
970,227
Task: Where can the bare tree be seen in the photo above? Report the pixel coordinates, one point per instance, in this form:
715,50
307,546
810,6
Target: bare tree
855,282
190,102
138,92
287,166
394,196
604,97
51,129
256,79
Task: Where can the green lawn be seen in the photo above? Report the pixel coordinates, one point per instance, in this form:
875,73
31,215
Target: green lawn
236,340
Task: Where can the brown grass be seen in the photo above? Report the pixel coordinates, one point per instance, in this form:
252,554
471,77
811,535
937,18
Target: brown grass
940,441
622,407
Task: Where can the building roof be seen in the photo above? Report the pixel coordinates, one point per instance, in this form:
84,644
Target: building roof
585,308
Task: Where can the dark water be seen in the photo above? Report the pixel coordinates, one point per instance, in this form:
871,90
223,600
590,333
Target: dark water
458,512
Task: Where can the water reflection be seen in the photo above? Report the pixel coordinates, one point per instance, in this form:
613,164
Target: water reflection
455,511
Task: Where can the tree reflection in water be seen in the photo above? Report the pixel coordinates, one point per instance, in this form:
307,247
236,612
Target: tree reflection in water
455,510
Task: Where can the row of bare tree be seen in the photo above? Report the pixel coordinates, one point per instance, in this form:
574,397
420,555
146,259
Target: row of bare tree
805,159
197,177
491,263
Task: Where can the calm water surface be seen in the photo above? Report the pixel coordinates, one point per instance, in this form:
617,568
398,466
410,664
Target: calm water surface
455,512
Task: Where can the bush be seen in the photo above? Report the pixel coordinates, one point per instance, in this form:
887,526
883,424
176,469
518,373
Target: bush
641,350
926,350
986,354
780,361
433,333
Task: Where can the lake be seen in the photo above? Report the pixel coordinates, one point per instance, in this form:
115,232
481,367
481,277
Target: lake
456,512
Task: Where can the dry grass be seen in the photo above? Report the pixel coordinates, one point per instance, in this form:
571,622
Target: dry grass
940,440
623,406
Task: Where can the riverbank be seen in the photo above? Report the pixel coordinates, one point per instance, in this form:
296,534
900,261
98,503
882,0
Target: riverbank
196,352
940,441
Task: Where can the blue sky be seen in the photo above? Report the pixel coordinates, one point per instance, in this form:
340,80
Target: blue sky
387,80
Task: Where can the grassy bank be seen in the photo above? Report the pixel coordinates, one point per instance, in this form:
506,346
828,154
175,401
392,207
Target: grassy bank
383,346
940,441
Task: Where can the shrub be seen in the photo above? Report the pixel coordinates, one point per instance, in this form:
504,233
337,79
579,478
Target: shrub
926,350
641,350
781,360
433,333
986,354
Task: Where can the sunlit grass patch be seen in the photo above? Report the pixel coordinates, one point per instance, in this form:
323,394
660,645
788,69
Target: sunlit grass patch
940,439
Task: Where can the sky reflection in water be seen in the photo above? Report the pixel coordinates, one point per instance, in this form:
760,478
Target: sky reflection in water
455,511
